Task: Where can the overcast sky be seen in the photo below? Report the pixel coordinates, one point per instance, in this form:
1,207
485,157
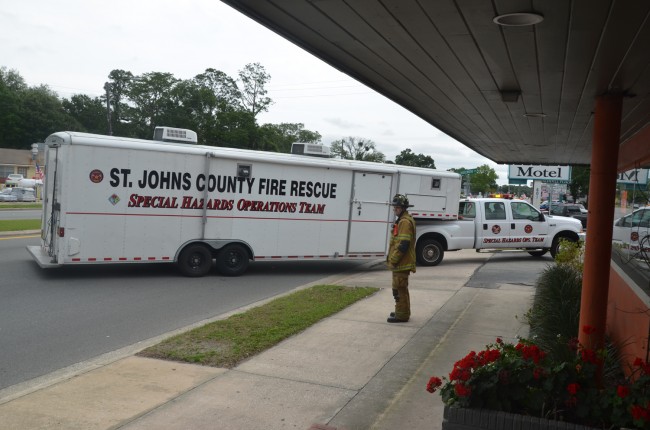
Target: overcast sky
72,45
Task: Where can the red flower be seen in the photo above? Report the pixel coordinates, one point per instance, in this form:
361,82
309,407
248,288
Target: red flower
433,384
573,388
589,356
639,362
538,372
622,391
587,329
462,390
639,413
499,340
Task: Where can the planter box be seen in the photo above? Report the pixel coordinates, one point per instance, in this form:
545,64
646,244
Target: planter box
482,419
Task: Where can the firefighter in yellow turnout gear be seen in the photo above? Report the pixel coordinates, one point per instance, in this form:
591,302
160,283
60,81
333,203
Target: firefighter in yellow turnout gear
401,258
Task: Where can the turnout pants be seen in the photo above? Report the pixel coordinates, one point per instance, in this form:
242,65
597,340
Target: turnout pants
401,295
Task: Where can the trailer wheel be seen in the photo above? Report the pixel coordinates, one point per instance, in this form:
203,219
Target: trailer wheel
539,253
429,252
556,246
232,260
195,260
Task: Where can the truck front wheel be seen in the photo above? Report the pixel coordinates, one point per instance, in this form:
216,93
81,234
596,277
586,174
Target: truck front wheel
195,260
429,252
539,253
556,246
232,260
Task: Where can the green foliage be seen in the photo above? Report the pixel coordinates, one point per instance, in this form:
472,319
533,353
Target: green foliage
227,342
279,137
222,110
252,93
356,148
484,180
555,313
579,185
409,158
29,114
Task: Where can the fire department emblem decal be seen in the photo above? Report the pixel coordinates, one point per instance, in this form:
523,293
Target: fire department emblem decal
114,199
496,229
634,236
528,229
96,176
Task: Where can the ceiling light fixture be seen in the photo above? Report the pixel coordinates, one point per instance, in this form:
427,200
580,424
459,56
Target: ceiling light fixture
518,19
535,115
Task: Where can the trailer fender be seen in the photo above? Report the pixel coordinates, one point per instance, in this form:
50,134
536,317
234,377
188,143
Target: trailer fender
218,244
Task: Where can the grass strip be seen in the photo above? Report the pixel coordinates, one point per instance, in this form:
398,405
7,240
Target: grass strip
20,224
226,343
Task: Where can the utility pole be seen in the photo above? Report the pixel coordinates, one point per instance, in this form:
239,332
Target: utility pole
107,87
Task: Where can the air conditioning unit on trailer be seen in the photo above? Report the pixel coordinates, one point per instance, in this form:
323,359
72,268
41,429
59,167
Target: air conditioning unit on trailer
171,134
311,149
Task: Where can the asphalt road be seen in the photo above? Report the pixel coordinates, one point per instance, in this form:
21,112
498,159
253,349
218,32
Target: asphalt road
7,214
51,319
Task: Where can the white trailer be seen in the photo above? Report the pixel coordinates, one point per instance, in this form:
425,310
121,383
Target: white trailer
110,200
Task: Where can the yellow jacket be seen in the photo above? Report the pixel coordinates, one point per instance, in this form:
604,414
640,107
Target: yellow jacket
401,250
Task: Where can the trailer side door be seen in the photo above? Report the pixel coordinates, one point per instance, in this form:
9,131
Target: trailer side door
369,213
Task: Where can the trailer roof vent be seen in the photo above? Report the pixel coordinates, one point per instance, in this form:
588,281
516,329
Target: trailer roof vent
178,135
311,149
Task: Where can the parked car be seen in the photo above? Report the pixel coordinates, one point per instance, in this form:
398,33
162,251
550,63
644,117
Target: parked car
7,196
543,207
631,233
13,179
571,210
24,194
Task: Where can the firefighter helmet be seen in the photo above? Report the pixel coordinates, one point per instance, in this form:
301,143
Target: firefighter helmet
401,200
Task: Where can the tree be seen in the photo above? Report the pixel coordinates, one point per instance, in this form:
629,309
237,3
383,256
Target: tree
29,114
579,184
484,180
90,113
152,96
280,137
356,148
252,94
118,87
409,158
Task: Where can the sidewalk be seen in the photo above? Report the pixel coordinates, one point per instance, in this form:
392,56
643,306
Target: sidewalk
351,371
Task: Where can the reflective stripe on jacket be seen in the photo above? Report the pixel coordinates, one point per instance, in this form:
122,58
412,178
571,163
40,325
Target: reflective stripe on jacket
403,231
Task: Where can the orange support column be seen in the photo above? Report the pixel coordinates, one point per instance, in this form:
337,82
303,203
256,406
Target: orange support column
602,195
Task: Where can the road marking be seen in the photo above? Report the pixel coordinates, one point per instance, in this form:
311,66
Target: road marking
20,237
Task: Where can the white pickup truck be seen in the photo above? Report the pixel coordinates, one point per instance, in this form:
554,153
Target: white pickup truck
492,224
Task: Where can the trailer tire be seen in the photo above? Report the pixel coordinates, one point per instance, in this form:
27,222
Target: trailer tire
556,246
232,260
538,253
195,261
429,252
